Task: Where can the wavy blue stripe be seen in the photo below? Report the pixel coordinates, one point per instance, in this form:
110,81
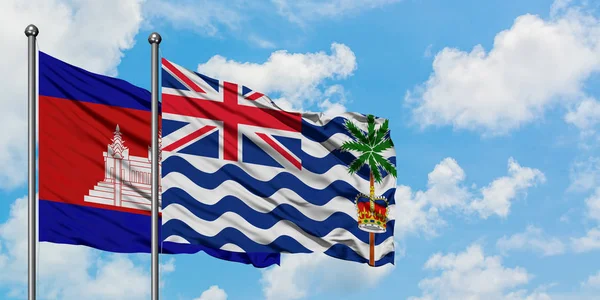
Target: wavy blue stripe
120,232
267,220
344,252
281,244
320,134
258,260
258,187
230,236
334,158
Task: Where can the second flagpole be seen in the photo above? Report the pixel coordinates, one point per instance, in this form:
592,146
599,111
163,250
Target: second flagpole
31,32
154,39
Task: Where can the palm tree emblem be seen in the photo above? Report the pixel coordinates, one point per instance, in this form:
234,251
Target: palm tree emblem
372,211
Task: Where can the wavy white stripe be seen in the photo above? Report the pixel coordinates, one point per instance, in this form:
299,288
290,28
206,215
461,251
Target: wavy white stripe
320,150
265,204
281,228
266,173
319,119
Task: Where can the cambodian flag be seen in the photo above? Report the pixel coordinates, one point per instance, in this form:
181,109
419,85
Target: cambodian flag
94,164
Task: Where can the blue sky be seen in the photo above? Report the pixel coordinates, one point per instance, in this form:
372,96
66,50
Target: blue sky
493,112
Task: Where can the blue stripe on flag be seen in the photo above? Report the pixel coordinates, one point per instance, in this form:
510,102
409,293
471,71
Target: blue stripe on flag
62,80
344,252
107,229
284,243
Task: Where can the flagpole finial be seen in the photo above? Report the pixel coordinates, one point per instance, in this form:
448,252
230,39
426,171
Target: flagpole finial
154,38
31,30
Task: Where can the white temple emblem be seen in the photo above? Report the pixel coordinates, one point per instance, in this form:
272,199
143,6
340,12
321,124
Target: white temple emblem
126,178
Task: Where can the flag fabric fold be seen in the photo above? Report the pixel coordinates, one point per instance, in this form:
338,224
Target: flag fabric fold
94,165
242,175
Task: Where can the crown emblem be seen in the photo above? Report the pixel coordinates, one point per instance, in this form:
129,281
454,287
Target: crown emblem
372,213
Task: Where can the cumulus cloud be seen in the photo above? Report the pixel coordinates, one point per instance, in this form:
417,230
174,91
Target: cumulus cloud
473,275
532,239
75,31
297,78
498,195
446,190
524,295
589,242
585,175
213,293
592,204
533,66
593,281
419,211
302,275
67,271
585,115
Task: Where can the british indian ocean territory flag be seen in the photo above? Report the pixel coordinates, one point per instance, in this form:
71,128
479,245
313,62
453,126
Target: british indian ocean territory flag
241,174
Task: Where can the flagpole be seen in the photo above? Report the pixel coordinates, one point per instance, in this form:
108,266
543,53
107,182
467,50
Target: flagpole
154,39
31,32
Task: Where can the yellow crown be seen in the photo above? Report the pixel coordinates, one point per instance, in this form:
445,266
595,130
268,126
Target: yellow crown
372,213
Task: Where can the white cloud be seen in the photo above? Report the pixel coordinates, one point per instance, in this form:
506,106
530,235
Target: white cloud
498,195
67,271
420,211
415,214
532,239
593,205
334,100
592,282
301,11
534,65
589,242
443,185
446,190
586,116
585,175
168,266
302,275
213,293
90,34
559,6
523,295
472,275
297,77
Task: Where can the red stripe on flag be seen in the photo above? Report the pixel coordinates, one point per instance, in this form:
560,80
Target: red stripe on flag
281,151
189,137
182,77
254,96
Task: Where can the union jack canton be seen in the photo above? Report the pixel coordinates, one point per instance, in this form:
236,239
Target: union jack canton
200,114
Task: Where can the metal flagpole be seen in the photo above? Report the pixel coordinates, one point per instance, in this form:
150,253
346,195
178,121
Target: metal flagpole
154,39
31,32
